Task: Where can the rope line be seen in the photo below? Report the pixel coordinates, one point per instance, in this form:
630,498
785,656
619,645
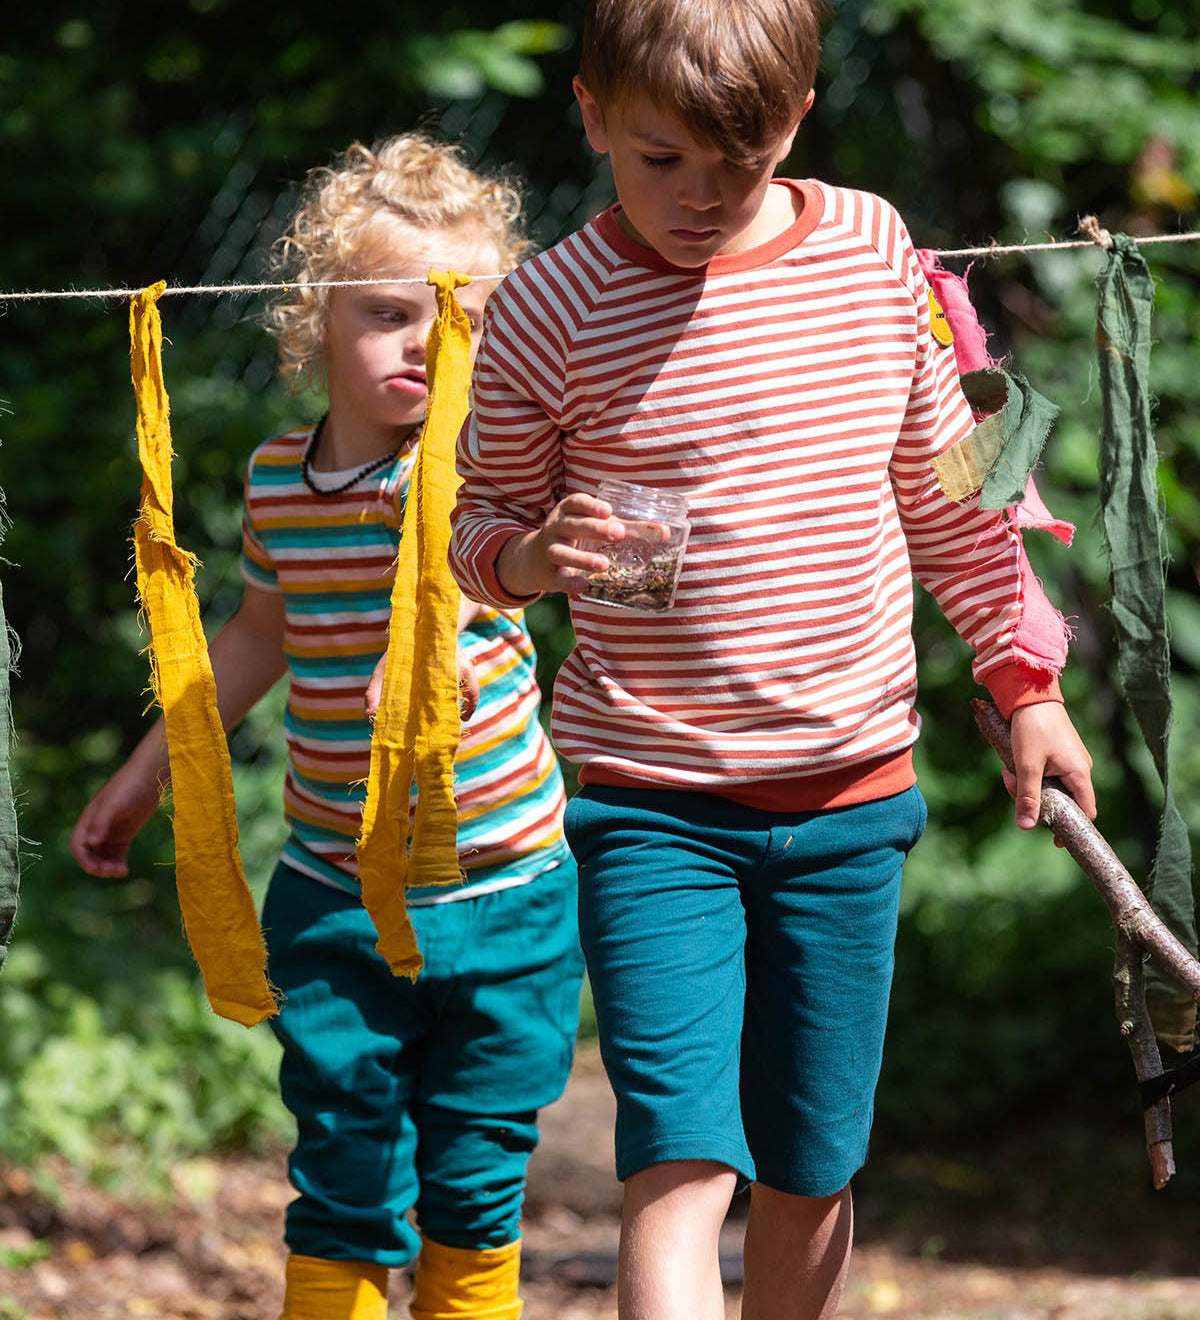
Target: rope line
993,249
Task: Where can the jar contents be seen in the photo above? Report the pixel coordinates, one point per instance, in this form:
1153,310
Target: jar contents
644,565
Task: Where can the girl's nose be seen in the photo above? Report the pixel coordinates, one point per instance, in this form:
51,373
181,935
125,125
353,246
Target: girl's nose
414,342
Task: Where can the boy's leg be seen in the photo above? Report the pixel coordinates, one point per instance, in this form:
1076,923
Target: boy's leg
508,971
663,927
821,924
796,1254
670,1225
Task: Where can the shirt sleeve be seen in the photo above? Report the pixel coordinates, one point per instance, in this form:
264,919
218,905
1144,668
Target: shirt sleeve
972,560
510,447
258,568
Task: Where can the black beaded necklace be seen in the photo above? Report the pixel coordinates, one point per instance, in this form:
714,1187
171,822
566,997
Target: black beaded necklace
373,466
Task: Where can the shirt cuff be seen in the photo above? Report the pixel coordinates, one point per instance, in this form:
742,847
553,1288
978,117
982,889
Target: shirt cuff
1014,685
486,559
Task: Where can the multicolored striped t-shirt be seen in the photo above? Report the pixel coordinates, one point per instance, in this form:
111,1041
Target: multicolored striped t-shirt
333,556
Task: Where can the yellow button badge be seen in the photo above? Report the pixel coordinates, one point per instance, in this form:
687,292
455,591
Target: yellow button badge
938,323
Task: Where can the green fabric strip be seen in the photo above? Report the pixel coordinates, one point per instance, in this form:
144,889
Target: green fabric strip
999,455
1132,524
1026,418
10,862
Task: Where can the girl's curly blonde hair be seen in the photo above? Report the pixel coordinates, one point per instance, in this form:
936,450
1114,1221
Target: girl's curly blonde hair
411,178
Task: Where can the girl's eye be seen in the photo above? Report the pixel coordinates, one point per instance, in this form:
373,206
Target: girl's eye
394,315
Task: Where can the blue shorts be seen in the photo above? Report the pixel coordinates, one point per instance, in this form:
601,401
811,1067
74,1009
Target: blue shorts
741,963
419,1095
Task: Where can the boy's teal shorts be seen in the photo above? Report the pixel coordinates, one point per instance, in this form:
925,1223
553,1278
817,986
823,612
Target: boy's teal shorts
419,1096
741,963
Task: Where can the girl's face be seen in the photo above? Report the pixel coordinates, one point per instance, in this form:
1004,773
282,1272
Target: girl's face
375,335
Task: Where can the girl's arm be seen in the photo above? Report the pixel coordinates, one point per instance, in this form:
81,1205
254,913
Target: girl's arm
247,660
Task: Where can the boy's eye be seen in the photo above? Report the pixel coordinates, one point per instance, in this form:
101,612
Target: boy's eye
659,162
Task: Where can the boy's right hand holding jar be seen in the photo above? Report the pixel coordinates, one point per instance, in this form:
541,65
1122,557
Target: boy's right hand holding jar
552,558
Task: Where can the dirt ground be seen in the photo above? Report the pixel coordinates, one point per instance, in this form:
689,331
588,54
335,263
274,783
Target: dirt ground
928,1249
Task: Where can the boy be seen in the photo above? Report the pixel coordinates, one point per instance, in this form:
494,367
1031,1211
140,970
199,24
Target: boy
409,1097
763,347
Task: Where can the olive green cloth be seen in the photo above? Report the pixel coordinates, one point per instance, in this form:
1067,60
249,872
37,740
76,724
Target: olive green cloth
10,862
1129,506
998,457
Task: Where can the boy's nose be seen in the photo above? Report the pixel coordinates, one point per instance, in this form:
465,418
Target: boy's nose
700,192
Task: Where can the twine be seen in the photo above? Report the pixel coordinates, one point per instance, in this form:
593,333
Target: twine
1089,225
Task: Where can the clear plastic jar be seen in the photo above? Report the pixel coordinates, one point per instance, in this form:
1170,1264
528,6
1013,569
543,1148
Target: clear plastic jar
644,565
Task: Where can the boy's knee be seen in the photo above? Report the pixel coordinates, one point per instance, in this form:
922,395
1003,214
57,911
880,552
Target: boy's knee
681,1181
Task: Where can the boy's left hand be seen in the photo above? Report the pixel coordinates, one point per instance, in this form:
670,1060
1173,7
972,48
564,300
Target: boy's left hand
1044,742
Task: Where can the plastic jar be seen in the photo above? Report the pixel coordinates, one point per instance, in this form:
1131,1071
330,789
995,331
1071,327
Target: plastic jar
644,565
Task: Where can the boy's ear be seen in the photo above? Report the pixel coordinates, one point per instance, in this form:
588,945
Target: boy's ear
593,116
786,142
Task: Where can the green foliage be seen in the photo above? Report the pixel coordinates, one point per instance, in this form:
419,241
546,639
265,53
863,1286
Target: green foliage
464,63
150,145
1067,82
164,143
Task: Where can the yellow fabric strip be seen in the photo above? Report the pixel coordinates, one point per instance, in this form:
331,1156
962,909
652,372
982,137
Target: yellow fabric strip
218,909
334,1289
452,1283
417,725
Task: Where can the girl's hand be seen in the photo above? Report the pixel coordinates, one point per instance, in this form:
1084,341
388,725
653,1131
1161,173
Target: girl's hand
552,558
1044,742
110,821
468,688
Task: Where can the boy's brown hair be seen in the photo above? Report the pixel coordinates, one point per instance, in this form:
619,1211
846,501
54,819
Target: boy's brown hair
735,72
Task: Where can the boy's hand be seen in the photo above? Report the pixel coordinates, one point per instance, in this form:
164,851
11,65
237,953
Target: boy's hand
551,559
1044,742
468,688
107,825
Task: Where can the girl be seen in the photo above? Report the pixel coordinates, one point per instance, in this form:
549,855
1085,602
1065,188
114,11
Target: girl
412,1100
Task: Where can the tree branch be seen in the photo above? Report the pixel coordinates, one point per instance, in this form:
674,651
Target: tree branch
1131,912
1138,929
1138,1030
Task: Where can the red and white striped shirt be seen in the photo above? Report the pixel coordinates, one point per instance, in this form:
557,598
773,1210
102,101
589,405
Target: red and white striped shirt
794,394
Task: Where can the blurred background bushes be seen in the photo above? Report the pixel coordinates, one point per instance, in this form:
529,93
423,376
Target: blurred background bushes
143,143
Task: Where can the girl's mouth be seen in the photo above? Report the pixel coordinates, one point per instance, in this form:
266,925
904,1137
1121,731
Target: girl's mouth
412,383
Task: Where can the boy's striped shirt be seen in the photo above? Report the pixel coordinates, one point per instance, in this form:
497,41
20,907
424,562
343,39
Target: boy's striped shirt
333,557
795,396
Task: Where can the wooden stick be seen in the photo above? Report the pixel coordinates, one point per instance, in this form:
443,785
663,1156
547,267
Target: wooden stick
1131,912
1130,989
1138,928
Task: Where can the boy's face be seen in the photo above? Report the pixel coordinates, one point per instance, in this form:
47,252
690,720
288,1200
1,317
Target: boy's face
375,335
678,195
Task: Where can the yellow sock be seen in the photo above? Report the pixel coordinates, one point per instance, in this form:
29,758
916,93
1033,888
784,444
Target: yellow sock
334,1289
453,1283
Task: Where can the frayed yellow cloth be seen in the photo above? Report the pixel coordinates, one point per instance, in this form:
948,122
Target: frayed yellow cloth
334,1289
417,725
452,1283
218,909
